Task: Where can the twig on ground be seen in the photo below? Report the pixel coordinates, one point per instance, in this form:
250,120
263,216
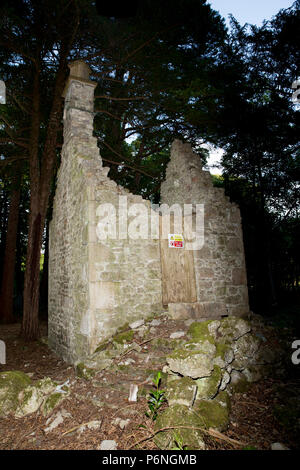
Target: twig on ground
211,432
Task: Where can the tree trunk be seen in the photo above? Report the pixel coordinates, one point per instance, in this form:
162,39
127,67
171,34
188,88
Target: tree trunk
265,234
7,284
44,279
3,224
40,187
30,325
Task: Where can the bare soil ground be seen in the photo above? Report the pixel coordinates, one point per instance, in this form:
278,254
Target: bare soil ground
105,398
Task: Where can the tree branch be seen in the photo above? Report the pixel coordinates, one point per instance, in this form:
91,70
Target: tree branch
122,99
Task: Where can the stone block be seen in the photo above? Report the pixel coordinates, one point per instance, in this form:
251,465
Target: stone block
102,294
239,276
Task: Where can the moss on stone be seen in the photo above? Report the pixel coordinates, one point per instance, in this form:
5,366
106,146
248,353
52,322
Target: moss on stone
208,386
223,398
34,395
222,349
125,337
240,386
46,385
181,391
183,354
11,384
122,328
84,372
199,332
179,415
51,402
213,414
102,346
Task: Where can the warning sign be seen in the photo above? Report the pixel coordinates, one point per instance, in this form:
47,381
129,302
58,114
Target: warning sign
175,241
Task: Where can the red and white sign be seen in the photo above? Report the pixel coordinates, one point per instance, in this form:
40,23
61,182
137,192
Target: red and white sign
175,240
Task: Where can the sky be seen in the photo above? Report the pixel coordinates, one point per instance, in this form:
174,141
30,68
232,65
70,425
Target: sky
245,11
249,11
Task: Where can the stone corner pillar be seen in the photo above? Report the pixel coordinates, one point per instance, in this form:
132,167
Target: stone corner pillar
79,101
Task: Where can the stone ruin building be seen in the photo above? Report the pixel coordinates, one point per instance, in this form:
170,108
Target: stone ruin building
98,284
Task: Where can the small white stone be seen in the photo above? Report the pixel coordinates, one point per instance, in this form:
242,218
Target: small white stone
122,423
155,322
126,362
177,334
58,419
225,380
93,425
108,445
189,322
136,324
133,391
278,446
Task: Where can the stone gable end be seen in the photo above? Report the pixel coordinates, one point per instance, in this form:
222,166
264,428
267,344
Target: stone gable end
97,285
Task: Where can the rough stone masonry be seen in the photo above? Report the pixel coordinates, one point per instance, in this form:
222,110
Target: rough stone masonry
98,284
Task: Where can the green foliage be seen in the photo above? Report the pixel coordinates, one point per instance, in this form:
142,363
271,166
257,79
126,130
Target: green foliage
178,441
156,400
165,74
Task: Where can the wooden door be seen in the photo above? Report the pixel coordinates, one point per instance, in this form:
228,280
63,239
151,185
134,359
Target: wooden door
178,273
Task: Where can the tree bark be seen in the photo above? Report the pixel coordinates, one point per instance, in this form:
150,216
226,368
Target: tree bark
7,284
40,180
44,278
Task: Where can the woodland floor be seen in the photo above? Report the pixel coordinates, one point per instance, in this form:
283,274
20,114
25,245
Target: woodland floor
105,398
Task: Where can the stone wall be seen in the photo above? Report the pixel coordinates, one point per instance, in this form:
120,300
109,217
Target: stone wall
95,286
220,264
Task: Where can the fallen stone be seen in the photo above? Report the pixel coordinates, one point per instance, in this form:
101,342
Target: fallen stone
213,414
246,351
136,324
213,327
278,446
238,382
56,420
177,334
208,386
234,328
225,380
179,415
84,372
254,374
181,391
92,425
127,362
12,383
155,322
122,423
133,391
108,445
136,347
33,397
194,365
189,322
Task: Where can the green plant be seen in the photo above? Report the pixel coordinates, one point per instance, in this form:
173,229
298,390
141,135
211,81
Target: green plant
157,398
178,441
